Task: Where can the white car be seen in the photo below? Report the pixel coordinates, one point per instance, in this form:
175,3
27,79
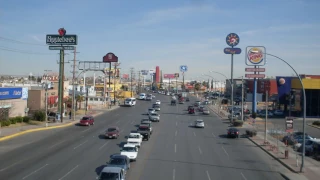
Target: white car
130,151
130,102
199,123
134,142
135,137
158,102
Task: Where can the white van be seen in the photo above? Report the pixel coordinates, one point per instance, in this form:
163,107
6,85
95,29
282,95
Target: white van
130,102
142,96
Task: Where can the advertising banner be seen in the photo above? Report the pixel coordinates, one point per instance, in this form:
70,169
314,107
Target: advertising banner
25,93
10,93
125,76
169,76
284,87
144,72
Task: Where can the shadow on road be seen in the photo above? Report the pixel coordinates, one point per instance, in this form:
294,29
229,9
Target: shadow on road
101,136
121,144
99,169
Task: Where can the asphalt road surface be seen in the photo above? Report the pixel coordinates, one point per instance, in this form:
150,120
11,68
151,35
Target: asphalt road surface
175,151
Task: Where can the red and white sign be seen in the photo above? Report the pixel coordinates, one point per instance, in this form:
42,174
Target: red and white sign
169,76
255,75
255,69
125,76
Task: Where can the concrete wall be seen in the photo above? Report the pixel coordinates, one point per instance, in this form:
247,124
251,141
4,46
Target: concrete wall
17,106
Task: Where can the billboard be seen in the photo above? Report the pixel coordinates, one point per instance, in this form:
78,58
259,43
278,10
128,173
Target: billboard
10,93
109,58
169,76
144,72
284,88
125,76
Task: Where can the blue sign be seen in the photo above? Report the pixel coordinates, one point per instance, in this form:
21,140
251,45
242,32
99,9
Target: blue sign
10,93
183,68
232,39
232,50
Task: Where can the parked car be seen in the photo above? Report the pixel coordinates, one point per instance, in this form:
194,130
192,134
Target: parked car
87,121
112,133
278,113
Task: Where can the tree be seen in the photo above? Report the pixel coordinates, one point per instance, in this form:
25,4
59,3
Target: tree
197,86
79,99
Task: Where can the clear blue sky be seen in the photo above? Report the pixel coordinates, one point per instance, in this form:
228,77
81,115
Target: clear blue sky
167,33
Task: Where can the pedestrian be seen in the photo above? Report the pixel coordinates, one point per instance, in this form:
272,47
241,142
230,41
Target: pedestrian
70,114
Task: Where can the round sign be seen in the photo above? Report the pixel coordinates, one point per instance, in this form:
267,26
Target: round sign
282,81
255,55
232,39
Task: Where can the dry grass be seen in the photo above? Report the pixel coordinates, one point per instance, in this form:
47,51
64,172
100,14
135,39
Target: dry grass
80,112
31,122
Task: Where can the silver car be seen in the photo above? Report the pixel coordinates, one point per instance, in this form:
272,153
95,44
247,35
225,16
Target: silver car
151,110
156,107
154,117
205,111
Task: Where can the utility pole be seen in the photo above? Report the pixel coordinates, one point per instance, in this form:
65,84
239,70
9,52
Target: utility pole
73,84
104,87
265,123
131,73
114,81
139,82
46,97
242,96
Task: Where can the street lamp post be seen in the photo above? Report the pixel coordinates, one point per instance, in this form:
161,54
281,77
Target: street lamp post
304,108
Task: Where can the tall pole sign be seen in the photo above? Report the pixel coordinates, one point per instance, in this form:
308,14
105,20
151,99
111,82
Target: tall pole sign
109,58
255,57
183,69
58,42
232,40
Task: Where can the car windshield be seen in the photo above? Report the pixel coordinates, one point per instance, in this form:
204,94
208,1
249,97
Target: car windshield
129,149
128,99
154,114
151,109
134,136
117,161
111,129
109,176
199,121
85,118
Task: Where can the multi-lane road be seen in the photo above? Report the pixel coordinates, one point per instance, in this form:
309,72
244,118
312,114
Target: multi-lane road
175,151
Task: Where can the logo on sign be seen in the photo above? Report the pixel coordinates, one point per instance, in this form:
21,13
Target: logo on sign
62,32
183,68
255,55
282,81
233,39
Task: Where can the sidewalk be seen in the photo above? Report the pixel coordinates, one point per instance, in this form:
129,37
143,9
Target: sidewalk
10,132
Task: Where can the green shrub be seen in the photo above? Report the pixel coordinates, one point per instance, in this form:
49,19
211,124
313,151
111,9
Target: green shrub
39,116
251,133
238,123
19,119
316,123
254,115
13,120
5,123
26,119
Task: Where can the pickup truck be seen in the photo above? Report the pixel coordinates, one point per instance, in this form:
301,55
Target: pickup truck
145,131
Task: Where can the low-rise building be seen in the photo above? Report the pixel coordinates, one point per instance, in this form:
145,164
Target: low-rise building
13,102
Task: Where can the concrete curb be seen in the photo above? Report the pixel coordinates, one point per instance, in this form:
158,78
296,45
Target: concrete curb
313,126
43,129
274,157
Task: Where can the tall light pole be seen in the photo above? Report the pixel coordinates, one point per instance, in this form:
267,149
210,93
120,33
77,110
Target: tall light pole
46,97
114,81
304,107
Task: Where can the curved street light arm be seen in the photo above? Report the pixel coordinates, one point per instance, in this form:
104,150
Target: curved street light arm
223,76
304,108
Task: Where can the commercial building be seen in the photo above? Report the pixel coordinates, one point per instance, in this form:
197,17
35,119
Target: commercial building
13,102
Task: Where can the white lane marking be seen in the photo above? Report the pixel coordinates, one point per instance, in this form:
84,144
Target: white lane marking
213,135
118,122
80,144
208,175
85,130
243,176
176,133
10,166
176,123
200,150
35,171
225,151
194,134
56,144
69,172
175,148
174,174
103,145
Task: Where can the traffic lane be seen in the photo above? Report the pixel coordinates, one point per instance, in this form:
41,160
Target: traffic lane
230,148
7,170
278,123
152,162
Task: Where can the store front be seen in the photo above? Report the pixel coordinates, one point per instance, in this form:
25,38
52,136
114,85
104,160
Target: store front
13,102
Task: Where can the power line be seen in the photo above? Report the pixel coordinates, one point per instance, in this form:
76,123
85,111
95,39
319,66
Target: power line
3,48
20,42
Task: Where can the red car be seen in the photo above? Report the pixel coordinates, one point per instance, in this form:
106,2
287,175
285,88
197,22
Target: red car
191,111
112,133
87,121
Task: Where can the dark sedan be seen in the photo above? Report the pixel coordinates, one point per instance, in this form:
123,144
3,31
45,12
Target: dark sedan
233,133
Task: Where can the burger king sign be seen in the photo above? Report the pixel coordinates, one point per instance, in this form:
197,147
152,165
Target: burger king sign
256,56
